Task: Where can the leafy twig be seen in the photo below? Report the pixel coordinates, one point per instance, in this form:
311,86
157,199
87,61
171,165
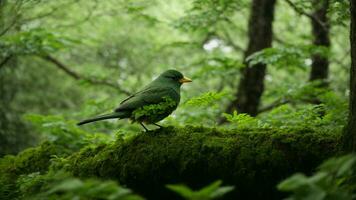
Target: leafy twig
7,59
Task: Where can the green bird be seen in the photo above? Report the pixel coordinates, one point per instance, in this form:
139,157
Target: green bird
152,104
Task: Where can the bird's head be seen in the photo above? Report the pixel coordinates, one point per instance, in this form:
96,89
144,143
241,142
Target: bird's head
174,76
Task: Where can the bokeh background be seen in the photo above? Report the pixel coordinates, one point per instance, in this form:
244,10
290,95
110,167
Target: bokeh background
66,60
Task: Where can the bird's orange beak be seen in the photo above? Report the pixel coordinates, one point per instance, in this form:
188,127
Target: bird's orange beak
185,80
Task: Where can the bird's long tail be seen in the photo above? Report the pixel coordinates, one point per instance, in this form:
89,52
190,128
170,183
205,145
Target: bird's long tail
102,117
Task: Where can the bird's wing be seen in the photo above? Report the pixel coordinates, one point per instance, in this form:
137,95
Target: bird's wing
129,97
149,87
152,95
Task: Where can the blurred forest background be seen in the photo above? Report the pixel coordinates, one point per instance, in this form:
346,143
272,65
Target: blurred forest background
69,59
254,63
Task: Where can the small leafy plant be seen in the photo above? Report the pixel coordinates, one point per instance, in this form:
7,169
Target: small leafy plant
208,98
65,133
244,120
336,180
212,191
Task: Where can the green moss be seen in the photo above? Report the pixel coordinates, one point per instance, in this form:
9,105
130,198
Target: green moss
252,160
32,160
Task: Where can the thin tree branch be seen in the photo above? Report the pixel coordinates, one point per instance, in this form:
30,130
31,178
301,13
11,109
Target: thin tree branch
43,15
302,12
340,61
62,67
230,41
49,13
85,19
273,105
283,101
281,41
7,59
341,64
5,30
16,8
78,76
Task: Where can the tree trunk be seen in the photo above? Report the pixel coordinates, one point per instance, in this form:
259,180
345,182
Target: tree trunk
260,34
320,65
350,130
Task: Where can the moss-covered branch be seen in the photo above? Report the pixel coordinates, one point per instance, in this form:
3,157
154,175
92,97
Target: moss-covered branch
251,160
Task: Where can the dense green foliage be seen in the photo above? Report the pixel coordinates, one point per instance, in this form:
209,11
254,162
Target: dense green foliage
67,60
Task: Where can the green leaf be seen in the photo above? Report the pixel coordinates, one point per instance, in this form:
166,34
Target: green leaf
211,191
292,183
67,185
221,191
182,190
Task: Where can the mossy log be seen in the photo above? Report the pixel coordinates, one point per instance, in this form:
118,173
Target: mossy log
254,161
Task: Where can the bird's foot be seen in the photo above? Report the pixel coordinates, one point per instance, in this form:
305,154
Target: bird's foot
146,129
158,125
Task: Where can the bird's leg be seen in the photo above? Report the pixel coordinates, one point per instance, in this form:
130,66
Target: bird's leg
158,125
144,127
